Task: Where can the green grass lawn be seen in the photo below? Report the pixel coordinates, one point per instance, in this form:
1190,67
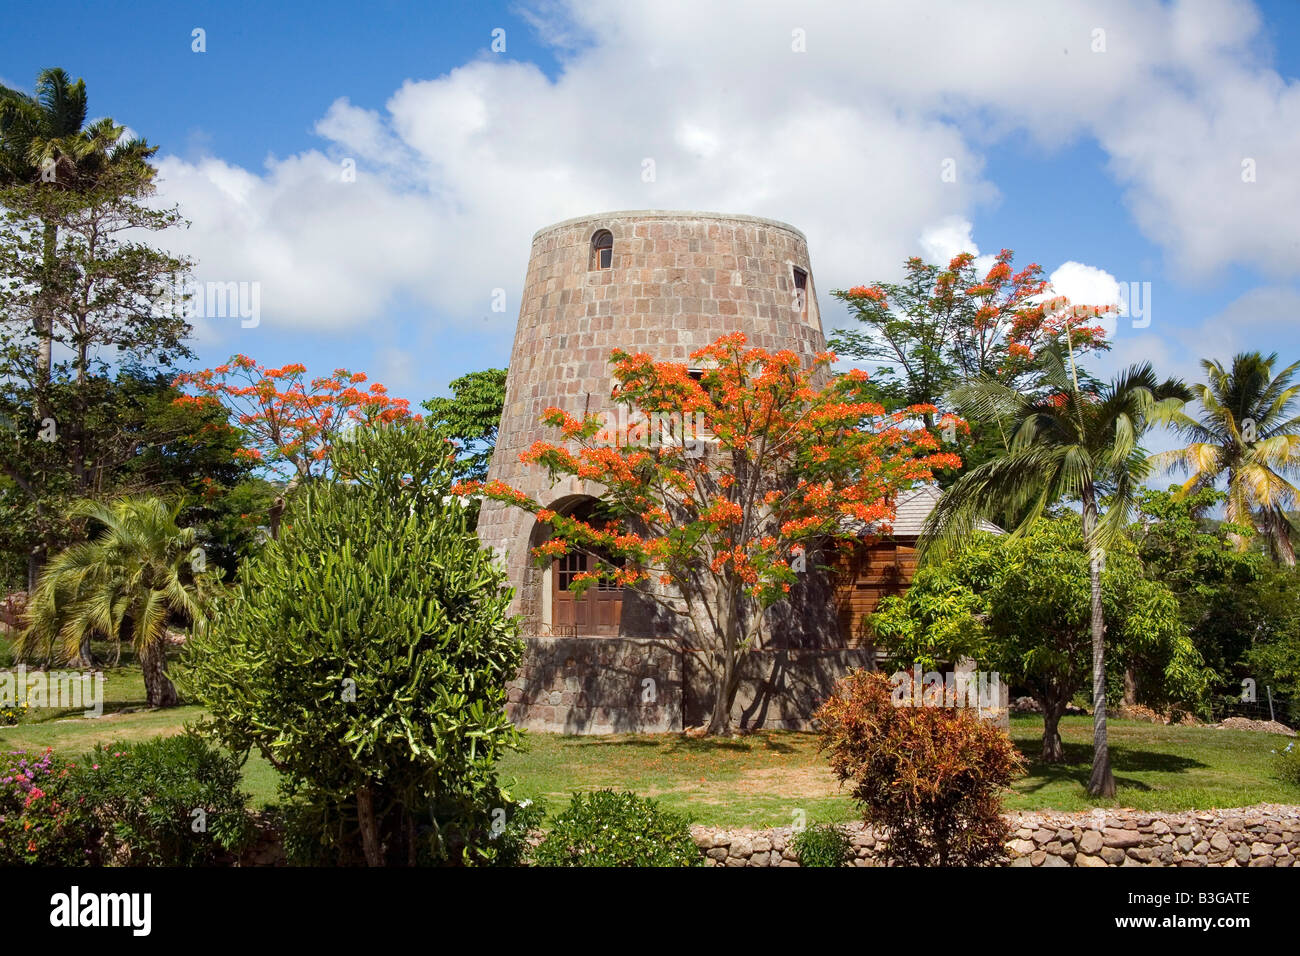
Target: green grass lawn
762,779
126,718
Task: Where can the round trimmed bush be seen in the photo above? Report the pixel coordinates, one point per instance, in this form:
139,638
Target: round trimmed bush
608,828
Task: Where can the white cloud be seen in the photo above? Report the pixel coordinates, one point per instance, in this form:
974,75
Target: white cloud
949,237
847,141
1088,285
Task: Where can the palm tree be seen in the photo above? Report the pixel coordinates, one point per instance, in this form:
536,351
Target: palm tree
1248,431
44,142
1066,444
128,582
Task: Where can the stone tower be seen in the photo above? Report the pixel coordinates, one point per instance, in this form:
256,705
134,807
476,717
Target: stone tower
665,283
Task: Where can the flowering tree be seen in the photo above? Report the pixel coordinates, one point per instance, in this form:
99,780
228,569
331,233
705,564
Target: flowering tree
938,331
710,512
939,328
291,424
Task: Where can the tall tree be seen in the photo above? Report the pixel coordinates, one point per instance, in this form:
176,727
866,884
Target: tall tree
941,328
471,418
45,145
1248,432
1071,444
98,302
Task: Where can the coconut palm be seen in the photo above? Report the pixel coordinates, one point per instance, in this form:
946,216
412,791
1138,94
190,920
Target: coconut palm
1067,444
1249,433
44,142
137,574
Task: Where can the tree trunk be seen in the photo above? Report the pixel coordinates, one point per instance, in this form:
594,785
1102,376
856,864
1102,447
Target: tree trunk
44,319
158,686
720,721
1102,781
85,659
277,509
369,828
1053,707
1130,688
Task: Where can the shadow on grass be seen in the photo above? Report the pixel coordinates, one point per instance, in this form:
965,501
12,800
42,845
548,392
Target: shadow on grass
1077,767
678,744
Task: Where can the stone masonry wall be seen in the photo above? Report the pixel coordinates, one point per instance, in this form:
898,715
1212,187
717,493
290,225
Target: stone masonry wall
1263,835
575,685
598,685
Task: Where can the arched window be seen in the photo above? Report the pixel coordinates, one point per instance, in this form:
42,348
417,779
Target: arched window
602,249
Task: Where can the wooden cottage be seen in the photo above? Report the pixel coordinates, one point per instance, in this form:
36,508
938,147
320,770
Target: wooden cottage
883,565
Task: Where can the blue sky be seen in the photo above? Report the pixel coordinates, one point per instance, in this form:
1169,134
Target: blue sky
1119,153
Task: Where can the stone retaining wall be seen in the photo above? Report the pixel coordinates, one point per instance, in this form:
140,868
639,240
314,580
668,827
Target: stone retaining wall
605,685
1263,835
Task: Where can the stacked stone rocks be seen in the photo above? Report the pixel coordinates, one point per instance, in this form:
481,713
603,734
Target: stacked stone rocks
1263,835
607,686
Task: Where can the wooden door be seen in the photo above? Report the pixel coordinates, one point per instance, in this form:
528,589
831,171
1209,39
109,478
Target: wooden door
599,609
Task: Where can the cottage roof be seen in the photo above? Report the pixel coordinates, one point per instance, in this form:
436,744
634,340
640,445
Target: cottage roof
911,509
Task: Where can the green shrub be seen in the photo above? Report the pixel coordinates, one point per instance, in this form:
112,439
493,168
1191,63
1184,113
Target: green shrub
42,822
823,844
511,829
931,777
365,654
606,828
1286,763
173,801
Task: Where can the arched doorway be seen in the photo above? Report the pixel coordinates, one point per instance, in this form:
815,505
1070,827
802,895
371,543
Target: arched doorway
598,611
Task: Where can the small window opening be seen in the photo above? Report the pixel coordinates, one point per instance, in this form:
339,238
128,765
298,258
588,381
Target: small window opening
801,293
602,249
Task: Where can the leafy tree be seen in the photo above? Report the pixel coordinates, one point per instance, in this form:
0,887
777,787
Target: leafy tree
1020,605
1218,587
45,147
1272,619
96,302
949,327
365,655
724,509
1249,432
132,440
127,583
471,418
1069,444
941,329
290,425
